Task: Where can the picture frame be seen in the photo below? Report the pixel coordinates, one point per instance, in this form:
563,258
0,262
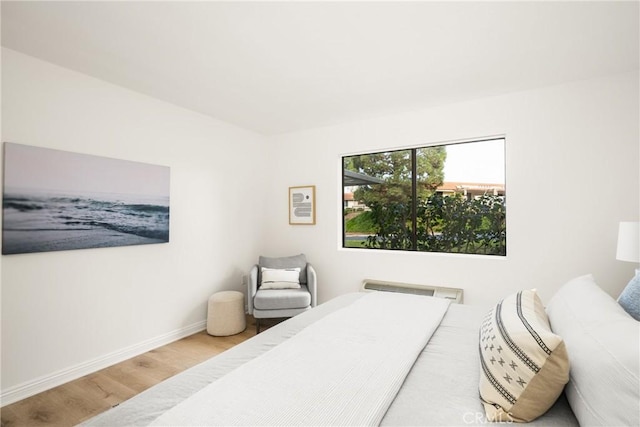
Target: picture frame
302,205
56,200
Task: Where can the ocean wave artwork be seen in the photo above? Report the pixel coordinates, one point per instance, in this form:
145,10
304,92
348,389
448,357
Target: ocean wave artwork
102,203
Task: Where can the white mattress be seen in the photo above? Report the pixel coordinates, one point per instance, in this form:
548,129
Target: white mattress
440,390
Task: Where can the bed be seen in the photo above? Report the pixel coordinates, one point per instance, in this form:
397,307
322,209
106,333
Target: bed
441,387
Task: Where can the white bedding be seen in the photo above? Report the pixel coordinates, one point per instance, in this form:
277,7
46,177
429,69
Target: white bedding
441,388
344,369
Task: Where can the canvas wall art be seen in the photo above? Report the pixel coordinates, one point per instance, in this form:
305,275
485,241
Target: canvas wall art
302,205
56,200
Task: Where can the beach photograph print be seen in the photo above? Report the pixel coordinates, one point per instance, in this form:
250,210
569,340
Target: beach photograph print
57,200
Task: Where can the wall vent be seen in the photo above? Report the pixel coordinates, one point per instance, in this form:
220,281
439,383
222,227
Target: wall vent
453,294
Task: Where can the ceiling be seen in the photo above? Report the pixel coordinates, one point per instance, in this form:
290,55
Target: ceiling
276,67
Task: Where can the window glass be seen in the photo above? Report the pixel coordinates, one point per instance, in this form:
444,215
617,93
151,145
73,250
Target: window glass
439,198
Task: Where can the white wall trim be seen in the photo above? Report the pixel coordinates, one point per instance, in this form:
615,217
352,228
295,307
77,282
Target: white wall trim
47,382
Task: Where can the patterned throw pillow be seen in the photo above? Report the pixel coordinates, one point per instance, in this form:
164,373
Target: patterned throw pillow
524,365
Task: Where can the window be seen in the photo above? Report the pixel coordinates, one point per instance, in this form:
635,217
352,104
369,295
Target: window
439,198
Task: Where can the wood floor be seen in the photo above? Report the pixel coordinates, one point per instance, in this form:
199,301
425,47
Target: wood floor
79,400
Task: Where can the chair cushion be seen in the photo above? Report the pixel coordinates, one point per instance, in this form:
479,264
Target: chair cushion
299,261
282,299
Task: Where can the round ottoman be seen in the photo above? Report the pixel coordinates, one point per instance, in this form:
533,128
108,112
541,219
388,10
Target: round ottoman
225,314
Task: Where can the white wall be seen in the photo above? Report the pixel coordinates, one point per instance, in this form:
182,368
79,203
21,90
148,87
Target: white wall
68,313
572,175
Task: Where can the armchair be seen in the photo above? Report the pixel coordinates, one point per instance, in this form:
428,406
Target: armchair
263,303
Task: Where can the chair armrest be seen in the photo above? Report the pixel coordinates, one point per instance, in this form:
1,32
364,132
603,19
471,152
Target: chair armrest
252,287
312,284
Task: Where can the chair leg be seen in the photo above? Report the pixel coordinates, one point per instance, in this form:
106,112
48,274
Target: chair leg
257,326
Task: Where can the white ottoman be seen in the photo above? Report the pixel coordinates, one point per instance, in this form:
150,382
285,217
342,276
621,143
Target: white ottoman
225,314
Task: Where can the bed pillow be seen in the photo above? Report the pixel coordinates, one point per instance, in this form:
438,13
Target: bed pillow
524,365
274,278
603,342
629,299
299,261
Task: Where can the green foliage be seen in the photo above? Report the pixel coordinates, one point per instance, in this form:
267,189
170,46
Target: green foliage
361,223
395,168
444,224
392,226
455,224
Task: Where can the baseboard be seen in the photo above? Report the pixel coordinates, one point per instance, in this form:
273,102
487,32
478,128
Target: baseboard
46,382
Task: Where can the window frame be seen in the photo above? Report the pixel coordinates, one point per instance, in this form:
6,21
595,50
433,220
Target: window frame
414,190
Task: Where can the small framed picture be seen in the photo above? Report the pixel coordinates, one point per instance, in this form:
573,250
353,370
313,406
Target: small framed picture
302,205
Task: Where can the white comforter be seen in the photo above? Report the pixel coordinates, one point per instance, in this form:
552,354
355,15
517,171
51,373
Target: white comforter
344,369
